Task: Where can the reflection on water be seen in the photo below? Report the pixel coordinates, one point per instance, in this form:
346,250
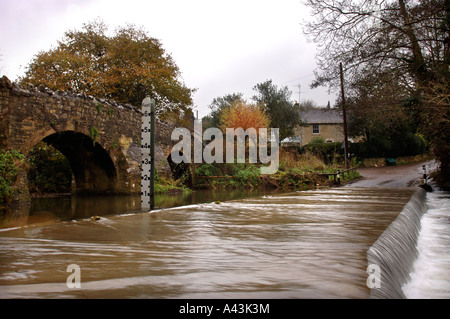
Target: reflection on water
47,210
296,245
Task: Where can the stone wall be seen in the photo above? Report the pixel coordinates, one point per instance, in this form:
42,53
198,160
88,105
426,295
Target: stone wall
379,162
85,129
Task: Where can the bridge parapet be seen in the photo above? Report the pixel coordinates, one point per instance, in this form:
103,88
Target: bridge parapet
100,138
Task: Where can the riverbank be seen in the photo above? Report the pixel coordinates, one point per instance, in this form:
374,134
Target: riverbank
296,171
283,180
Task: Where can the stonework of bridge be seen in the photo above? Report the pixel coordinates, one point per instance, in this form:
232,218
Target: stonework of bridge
100,138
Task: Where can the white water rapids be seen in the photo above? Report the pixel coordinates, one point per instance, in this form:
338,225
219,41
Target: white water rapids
430,277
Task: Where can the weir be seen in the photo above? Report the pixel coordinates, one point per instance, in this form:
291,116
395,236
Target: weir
396,249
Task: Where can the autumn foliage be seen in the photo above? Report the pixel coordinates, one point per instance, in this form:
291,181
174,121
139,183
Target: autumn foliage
124,66
243,115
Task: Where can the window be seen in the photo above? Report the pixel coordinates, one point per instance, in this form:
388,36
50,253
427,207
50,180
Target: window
316,129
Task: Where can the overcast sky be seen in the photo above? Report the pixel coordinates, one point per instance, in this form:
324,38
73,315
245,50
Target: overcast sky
221,47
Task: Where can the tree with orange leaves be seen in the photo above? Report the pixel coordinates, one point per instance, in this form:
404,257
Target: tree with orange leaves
248,117
243,115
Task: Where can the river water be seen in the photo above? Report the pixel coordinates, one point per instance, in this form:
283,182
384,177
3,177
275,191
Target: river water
63,208
430,277
309,244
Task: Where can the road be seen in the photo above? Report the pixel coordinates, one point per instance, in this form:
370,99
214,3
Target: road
394,176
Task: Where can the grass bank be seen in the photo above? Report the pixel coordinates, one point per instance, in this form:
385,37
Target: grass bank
296,171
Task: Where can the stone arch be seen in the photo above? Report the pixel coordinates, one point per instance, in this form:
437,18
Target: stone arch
92,166
29,115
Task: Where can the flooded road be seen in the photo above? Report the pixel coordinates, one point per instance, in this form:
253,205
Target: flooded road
297,245
395,176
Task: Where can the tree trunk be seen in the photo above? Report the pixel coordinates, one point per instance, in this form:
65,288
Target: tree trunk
418,66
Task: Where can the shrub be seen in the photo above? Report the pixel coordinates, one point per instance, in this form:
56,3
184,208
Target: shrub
164,186
249,176
405,145
294,158
317,140
208,170
49,171
10,160
325,151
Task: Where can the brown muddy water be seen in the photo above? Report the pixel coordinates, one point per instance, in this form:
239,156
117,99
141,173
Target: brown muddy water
310,244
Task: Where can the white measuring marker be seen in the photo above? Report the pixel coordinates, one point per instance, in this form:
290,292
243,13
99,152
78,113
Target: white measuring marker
147,170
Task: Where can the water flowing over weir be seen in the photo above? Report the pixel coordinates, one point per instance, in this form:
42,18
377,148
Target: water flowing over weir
297,245
430,277
396,249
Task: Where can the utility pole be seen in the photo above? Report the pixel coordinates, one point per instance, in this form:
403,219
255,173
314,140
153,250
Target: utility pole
299,92
345,117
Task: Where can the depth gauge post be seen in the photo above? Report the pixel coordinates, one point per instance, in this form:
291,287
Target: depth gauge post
148,154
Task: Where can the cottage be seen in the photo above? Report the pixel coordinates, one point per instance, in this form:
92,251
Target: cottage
324,123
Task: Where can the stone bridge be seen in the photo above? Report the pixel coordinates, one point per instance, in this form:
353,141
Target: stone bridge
100,138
